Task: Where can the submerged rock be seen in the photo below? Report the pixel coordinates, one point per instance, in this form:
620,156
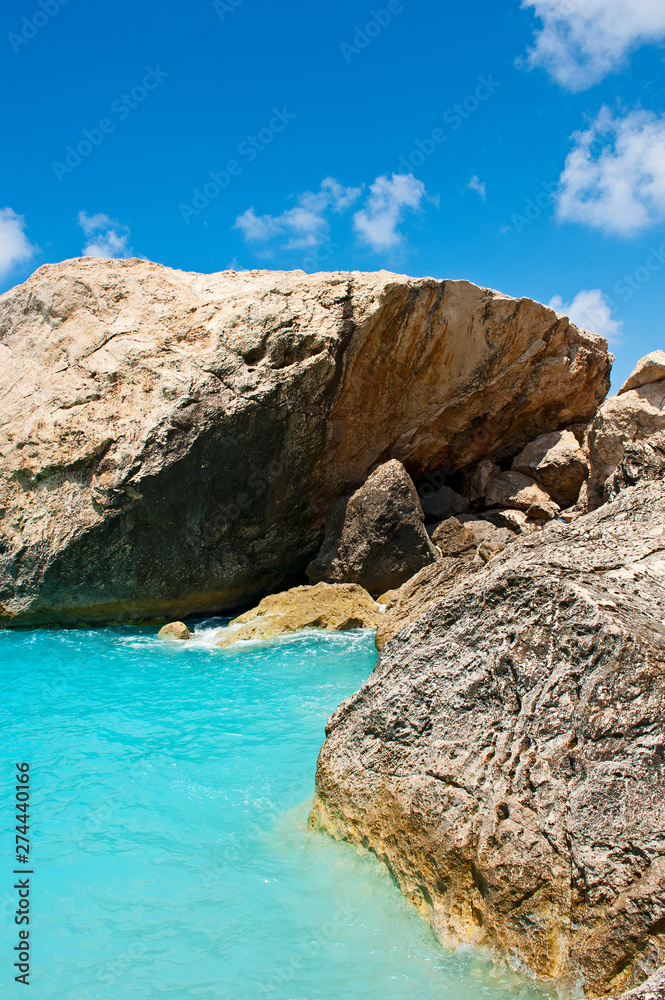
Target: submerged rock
175,630
376,537
336,607
172,443
506,757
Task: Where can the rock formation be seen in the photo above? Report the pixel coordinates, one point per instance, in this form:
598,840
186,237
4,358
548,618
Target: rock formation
557,463
376,537
337,607
506,758
173,443
174,630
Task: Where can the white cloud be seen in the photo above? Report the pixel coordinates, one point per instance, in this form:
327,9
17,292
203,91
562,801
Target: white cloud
581,41
614,178
590,310
480,187
106,237
377,223
306,224
15,247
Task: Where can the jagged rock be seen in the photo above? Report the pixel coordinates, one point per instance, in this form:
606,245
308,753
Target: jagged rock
515,521
474,482
484,531
629,425
557,463
172,443
376,537
175,630
643,461
336,607
519,492
489,548
453,538
506,757
411,600
652,989
444,503
648,369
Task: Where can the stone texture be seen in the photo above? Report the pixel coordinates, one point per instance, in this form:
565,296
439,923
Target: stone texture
453,538
376,537
514,490
648,369
336,607
630,426
412,599
506,757
483,531
514,520
172,443
557,463
444,503
474,482
175,630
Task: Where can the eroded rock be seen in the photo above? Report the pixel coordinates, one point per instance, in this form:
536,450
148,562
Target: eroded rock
376,537
648,369
506,756
557,463
519,492
336,607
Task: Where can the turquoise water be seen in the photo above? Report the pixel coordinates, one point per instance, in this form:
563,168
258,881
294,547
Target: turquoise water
172,860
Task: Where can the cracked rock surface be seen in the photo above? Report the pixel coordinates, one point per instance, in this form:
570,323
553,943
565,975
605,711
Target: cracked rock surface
172,443
506,758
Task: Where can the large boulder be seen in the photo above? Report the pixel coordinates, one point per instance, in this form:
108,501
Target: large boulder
649,369
520,492
557,463
506,757
629,427
336,607
376,537
172,443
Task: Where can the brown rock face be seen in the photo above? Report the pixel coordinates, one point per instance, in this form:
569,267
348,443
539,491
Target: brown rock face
557,463
648,369
376,537
506,757
514,490
172,443
336,607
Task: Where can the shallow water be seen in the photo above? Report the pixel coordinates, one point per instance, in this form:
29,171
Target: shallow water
172,860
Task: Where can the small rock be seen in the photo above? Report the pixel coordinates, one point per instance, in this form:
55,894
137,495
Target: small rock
453,538
175,630
557,463
376,537
648,369
515,521
486,531
444,503
333,606
474,482
513,489
488,549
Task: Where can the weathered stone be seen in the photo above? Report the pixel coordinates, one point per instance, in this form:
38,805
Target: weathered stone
652,989
474,482
172,443
453,538
444,503
412,599
624,425
643,461
376,537
514,490
175,630
337,607
483,531
506,756
648,369
489,548
557,463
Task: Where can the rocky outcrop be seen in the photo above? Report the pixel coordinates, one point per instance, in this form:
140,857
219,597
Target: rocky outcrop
337,607
376,537
453,538
444,503
174,630
557,463
648,369
172,443
627,428
506,757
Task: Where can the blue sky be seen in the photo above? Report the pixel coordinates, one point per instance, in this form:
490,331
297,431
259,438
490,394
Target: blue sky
519,145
